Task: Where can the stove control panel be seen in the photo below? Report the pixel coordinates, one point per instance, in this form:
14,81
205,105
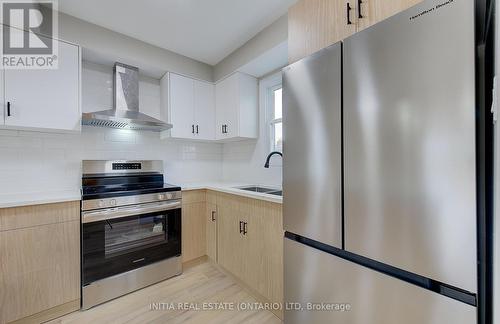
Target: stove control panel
130,200
127,166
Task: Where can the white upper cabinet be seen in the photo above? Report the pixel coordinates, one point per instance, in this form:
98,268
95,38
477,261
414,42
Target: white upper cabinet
236,100
191,108
181,106
45,99
204,110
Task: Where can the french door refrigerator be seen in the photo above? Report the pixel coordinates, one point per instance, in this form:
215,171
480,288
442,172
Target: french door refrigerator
380,174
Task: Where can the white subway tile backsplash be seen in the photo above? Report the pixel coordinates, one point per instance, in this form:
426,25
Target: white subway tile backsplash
8,132
120,135
9,159
30,160
20,141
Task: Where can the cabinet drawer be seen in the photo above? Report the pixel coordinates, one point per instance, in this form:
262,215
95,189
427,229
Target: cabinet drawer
36,215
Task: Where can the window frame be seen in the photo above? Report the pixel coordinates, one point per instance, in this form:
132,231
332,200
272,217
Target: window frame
274,83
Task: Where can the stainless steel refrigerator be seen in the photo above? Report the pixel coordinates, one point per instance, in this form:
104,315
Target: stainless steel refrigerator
380,173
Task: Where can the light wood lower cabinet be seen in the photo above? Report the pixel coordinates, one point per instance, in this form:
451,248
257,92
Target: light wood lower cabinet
231,243
211,226
265,236
211,231
250,243
242,235
40,262
193,224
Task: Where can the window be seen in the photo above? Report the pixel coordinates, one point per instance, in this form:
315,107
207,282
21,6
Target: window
276,117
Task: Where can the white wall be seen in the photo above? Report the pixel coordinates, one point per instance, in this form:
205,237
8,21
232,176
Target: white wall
244,161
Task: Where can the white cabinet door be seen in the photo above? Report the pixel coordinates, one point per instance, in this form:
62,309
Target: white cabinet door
221,90
46,99
247,115
182,106
204,110
227,105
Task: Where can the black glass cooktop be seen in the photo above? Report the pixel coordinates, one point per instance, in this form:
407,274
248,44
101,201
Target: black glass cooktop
97,187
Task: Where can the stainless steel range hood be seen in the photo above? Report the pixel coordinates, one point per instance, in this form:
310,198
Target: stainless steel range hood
125,113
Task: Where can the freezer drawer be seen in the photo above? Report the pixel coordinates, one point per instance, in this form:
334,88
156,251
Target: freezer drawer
409,131
313,276
312,101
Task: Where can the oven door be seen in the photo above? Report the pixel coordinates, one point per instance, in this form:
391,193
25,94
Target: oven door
120,239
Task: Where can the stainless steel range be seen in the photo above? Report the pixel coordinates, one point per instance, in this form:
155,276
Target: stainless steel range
131,228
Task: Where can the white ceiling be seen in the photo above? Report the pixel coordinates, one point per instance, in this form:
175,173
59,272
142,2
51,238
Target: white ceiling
205,30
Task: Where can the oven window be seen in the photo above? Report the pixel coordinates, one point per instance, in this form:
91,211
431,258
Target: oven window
132,233
114,246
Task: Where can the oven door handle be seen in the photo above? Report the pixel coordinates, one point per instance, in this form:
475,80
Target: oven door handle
112,213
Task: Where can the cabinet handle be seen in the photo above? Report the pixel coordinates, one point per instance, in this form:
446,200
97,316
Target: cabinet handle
245,228
349,22
192,129
360,2
222,129
241,227
8,108
225,129
197,129
213,216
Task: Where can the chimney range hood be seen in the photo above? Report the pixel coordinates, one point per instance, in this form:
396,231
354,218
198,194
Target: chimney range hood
125,113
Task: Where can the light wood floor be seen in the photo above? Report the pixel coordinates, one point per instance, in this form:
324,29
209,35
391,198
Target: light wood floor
199,284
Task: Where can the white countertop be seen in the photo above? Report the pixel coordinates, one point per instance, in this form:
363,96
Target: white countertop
232,188
38,198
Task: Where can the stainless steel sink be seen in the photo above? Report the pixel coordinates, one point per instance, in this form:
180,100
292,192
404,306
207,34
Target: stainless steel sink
270,191
257,189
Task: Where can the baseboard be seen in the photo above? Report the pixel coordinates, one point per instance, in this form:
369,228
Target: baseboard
194,262
50,314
